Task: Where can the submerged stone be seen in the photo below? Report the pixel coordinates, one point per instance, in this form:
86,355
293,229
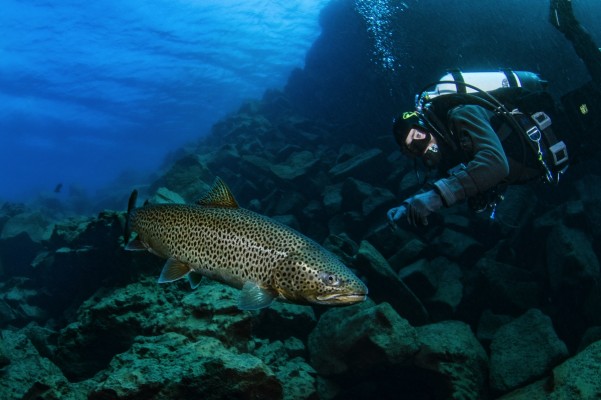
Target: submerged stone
524,350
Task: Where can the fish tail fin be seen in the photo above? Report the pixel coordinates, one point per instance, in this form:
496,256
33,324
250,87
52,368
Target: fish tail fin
131,204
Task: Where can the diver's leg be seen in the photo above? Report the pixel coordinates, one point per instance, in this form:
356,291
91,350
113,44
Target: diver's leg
562,17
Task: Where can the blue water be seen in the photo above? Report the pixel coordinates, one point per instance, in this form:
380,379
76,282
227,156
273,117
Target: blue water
93,90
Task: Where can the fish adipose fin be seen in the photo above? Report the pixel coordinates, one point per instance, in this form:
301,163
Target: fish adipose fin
252,297
173,270
219,196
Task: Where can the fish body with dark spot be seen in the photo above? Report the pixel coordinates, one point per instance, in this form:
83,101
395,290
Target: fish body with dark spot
264,258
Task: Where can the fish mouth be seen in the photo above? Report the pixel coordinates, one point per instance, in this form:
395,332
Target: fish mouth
341,298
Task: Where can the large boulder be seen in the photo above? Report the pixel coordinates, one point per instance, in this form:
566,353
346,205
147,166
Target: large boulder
572,262
524,350
358,340
450,349
28,375
576,378
504,288
171,365
387,286
437,283
108,323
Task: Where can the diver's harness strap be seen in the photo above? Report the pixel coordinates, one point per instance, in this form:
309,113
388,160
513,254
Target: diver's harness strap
551,153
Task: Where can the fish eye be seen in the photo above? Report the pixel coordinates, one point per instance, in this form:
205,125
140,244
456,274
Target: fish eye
329,279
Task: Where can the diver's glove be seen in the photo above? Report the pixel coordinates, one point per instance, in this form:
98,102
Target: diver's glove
394,214
420,206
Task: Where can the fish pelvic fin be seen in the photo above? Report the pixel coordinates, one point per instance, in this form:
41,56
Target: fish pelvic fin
131,204
174,270
252,297
218,196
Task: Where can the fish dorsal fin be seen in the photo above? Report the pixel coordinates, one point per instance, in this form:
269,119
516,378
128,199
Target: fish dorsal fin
252,297
219,196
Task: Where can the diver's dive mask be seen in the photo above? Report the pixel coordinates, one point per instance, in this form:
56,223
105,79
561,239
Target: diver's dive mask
417,147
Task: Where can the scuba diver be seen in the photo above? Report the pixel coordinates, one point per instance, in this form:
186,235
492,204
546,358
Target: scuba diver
482,137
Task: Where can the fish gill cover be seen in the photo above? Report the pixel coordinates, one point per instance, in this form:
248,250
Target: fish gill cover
92,89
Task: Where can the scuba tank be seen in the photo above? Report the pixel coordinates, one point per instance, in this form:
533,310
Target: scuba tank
455,82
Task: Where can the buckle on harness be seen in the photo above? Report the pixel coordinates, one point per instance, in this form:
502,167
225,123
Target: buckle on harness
542,120
534,134
559,152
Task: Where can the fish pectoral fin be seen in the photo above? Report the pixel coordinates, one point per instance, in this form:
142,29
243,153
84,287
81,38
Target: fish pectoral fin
194,278
174,270
252,297
136,245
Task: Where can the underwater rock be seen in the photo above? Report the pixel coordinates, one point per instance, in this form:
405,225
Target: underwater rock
17,254
34,224
504,288
31,376
524,350
572,262
298,164
592,212
358,340
109,321
188,176
443,303
354,193
358,195
171,365
411,251
332,198
287,219
385,285
420,278
576,378
81,255
4,360
286,360
281,202
7,314
451,349
363,166
166,196
488,325
284,320
457,246
591,335
24,301
437,283
587,187
378,202
342,246
592,306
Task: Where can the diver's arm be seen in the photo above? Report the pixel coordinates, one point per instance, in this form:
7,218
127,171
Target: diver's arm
562,17
489,165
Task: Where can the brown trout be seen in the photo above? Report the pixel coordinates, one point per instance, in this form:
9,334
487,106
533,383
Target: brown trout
264,258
